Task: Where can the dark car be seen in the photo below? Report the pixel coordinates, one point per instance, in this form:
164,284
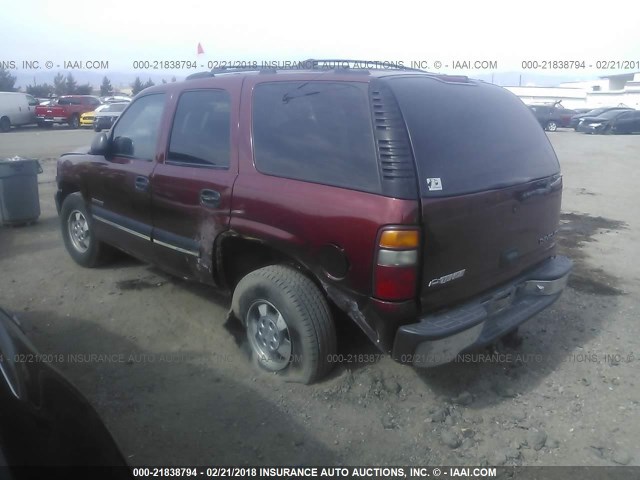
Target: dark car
628,122
575,120
607,122
303,194
105,118
552,117
44,420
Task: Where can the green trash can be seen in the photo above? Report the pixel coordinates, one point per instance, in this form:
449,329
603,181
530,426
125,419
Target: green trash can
19,197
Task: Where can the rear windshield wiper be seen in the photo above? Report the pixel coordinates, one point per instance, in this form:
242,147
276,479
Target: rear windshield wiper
553,184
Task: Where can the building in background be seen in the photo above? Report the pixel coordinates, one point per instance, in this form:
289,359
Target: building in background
608,91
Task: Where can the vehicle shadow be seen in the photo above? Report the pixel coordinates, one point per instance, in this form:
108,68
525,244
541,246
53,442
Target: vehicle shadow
173,407
352,341
517,365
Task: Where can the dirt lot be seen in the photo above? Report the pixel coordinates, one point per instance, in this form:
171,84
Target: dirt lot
173,383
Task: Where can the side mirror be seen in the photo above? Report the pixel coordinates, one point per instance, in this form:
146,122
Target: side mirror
123,145
100,145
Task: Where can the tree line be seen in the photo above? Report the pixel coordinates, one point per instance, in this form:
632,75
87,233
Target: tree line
67,85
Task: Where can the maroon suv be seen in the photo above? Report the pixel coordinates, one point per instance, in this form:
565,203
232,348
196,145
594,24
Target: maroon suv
389,194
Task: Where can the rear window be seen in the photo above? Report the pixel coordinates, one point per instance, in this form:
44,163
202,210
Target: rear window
318,132
470,137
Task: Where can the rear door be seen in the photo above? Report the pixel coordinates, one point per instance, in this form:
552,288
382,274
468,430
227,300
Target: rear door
489,183
192,184
119,185
634,122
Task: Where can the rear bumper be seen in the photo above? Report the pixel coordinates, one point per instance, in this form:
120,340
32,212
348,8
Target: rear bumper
439,338
42,119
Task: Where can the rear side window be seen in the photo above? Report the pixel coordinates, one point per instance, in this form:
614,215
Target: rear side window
318,132
136,133
201,131
470,137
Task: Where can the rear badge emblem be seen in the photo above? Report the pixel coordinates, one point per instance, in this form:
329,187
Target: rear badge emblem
434,184
447,278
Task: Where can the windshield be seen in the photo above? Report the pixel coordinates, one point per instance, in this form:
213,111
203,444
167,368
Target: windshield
115,107
595,112
471,137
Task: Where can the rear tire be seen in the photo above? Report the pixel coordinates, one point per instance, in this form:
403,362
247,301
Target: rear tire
288,321
5,124
551,126
77,232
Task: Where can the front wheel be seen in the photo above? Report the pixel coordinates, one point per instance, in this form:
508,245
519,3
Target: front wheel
551,126
5,124
77,233
288,323
96,128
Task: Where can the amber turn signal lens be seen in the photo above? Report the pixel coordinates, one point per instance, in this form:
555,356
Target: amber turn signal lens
399,239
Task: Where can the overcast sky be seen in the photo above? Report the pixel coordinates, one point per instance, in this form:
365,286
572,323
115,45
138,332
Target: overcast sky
124,31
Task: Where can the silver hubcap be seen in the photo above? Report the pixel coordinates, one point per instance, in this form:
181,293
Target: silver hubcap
268,335
78,231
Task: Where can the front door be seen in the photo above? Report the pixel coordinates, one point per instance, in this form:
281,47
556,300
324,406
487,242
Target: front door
120,184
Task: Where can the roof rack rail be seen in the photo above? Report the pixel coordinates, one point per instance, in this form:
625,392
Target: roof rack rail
224,70
342,63
311,64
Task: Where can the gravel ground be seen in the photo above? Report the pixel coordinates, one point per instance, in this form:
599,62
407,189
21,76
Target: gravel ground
170,376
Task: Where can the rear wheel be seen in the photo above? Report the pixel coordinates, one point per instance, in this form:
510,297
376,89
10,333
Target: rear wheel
551,126
288,323
45,125
77,232
5,124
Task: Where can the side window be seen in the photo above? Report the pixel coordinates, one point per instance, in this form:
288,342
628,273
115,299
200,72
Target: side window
318,132
201,130
32,101
136,133
625,116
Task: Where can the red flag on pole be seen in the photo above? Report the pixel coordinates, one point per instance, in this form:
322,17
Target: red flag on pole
200,49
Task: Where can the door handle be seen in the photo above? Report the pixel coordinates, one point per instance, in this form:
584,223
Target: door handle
142,183
210,198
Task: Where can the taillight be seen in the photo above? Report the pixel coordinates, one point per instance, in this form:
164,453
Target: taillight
396,267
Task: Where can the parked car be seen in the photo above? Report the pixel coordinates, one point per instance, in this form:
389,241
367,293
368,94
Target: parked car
16,109
106,117
44,420
575,120
66,110
552,117
86,119
604,122
628,122
294,192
